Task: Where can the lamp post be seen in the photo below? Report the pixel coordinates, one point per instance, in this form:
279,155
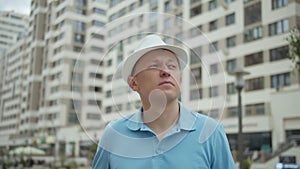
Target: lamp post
239,84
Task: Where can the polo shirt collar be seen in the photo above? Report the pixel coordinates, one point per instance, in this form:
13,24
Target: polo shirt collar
186,120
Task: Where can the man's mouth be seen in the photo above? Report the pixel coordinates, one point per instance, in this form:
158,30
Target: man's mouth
166,82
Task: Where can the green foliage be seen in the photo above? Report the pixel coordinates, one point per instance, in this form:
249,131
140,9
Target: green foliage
294,42
246,164
92,150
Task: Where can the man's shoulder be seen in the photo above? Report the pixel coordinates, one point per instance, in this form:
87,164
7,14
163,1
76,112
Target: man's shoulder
202,118
207,127
120,125
121,122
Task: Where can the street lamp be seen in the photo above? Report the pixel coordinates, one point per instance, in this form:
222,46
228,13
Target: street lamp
239,84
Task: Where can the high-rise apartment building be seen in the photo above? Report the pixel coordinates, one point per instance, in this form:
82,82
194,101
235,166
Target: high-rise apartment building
53,78
13,27
220,35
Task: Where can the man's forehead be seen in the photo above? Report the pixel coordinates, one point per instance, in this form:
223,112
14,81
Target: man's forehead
158,54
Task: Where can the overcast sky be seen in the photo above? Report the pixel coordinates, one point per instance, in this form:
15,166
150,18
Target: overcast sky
20,6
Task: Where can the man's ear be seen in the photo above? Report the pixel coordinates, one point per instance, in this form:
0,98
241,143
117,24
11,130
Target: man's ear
131,82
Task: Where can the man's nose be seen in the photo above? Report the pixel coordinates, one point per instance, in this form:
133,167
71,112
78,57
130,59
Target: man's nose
164,73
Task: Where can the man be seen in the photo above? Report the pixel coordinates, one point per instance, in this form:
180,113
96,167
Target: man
163,134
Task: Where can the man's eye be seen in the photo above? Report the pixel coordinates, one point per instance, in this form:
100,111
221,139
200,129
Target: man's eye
172,67
153,66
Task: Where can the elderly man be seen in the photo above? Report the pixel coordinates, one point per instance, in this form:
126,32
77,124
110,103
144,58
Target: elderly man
163,134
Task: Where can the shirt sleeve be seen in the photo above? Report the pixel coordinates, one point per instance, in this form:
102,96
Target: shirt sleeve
222,154
101,159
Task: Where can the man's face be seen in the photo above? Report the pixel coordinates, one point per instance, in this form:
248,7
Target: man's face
157,69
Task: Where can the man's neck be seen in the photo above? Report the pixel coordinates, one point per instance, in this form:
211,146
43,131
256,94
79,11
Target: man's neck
161,122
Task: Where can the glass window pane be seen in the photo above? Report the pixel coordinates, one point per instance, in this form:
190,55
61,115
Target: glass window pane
279,27
286,25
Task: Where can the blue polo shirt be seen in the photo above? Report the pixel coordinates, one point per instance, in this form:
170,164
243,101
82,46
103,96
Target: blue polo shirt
195,142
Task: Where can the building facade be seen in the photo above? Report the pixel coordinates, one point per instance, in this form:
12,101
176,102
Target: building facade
53,78
67,71
13,27
219,36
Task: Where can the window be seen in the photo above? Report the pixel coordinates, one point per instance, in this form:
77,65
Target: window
231,41
97,89
109,78
212,5
231,88
80,2
168,6
195,55
179,36
253,59
98,23
252,14
253,34
280,80
118,107
214,113
122,12
79,26
196,11
213,25
153,17
99,11
79,38
93,116
75,104
246,1
229,1
279,53
72,118
213,47
213,91
194,1
167,23
142,2
213,69
195,94
113,17
132,6
108,109
97,49
108,93
196,76
254,84
232,112
279,27
255,109
152,2
279,3
179,2
194,32
230,19
80,11
230,65
96,75
76,88
76,77
92,102
109,62
77,49
54,89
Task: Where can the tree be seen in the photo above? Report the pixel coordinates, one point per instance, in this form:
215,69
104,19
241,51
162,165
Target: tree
294,42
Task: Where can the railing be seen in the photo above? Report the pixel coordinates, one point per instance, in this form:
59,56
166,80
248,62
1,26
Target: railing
283,147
